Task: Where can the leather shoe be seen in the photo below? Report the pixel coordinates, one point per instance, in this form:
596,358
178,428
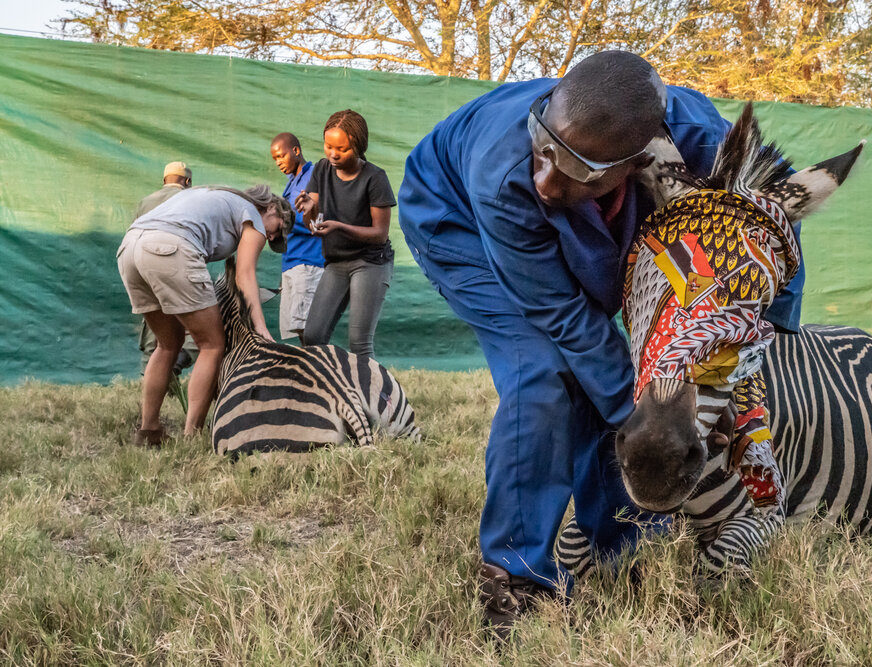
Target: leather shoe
506,597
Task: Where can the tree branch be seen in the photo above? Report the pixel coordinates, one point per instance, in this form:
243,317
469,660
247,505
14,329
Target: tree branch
328,56
518,42
355,38
660,42
400,9
573,39
214,20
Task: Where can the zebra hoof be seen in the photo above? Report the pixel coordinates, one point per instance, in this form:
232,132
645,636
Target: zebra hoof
716,569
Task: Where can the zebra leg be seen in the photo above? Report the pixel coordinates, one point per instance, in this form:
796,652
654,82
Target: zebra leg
356,420
730,530
739,540
573,550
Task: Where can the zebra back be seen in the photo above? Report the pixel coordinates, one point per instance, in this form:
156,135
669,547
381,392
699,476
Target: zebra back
820,397
274,396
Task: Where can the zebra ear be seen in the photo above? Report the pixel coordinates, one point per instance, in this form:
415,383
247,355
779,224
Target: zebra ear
802,193
666,178
230,272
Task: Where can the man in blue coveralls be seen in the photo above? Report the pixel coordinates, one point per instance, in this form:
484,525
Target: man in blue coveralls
520,208
302,259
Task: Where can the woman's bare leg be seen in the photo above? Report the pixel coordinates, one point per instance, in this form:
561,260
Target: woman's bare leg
170,335
208,333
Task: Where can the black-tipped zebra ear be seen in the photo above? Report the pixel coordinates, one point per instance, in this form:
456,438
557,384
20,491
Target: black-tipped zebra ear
802,193
666,178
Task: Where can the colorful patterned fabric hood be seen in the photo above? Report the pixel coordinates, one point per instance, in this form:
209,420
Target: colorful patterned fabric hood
700,274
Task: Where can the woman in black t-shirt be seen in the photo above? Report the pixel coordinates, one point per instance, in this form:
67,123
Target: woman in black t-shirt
348,203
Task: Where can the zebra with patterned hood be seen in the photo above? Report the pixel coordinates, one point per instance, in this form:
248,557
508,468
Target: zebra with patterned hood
702,271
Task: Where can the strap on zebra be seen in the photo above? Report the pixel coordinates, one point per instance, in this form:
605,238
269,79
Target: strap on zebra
751,452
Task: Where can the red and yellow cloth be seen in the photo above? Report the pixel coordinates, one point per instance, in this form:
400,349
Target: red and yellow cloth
701,273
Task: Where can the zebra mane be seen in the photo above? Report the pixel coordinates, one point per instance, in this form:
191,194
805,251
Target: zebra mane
228,293
743,162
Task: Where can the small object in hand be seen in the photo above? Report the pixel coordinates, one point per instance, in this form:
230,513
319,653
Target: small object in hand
319,221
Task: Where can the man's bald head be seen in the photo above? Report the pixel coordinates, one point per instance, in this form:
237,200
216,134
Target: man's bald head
615,96
606,109
285,140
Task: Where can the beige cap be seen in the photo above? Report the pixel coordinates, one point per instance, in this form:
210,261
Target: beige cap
177,169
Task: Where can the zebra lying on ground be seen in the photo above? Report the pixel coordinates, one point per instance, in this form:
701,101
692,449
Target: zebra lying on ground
721,248
820,401
278,397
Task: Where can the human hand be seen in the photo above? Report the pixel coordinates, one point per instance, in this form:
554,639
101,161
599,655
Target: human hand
721,435
304,203
325,227
263,332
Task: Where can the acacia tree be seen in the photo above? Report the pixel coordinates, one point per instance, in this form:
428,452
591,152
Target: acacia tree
446,37
798,50
810,51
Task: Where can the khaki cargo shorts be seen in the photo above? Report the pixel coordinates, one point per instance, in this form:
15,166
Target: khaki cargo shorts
162,271
298,288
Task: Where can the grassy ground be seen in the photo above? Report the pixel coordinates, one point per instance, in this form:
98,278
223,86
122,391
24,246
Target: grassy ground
111,554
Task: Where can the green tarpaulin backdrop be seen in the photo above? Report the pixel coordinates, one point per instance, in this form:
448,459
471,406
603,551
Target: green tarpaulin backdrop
86,129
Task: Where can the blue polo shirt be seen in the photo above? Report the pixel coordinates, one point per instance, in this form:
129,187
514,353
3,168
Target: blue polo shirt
303,246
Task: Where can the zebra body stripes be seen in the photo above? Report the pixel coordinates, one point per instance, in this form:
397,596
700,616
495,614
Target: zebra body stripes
820,400
278,397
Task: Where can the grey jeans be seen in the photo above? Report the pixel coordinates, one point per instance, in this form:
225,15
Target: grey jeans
357,284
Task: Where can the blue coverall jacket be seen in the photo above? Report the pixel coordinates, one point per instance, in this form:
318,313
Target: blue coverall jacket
540,287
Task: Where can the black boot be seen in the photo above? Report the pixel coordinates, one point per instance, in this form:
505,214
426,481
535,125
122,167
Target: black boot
506,596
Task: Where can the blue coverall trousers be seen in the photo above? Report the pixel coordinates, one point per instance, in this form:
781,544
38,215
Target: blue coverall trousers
547,441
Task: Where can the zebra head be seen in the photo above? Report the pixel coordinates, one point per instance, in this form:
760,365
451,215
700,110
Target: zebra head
235,311
702,271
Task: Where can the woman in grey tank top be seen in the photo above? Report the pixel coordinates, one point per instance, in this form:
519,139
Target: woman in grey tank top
162,262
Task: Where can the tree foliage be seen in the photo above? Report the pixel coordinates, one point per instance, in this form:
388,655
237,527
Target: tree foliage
815,51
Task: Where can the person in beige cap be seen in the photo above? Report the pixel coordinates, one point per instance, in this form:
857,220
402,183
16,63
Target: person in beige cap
176,177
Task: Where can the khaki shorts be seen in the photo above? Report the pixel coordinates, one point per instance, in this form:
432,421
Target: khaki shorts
298,288
162,271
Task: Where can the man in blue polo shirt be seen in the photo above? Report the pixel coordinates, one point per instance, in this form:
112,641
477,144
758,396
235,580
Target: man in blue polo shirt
520,208
302,260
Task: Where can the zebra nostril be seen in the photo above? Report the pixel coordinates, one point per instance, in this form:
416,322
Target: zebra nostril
693,457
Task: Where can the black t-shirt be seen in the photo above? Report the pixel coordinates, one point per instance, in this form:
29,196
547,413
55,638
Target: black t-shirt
349,202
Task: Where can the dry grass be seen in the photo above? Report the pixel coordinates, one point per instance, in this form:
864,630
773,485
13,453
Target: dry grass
110,554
